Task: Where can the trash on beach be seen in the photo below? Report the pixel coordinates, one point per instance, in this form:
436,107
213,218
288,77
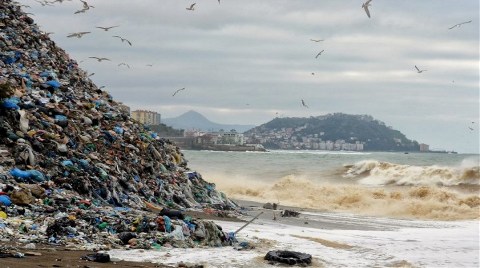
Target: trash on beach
288,257
289,213
246,224
97,257
76,169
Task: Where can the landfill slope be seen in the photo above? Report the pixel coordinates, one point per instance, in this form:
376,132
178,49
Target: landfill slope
74,167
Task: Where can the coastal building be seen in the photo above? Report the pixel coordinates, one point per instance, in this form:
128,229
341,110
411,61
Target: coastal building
231,137
424,147
146,117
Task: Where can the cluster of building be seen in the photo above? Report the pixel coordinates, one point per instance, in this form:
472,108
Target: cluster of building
286,139
196,139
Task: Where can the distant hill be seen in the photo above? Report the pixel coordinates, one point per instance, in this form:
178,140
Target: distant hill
195,120
295,132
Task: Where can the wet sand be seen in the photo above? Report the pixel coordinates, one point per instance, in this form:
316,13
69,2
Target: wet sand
65,258
328,221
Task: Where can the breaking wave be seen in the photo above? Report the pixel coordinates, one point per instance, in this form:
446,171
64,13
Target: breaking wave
377,173
419,202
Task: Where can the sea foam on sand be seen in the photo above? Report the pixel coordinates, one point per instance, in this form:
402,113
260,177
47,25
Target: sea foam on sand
407,244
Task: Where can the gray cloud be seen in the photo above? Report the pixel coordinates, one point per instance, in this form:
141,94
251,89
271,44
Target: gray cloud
259,53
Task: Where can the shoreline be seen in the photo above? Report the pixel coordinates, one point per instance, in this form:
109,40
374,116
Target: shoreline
314,232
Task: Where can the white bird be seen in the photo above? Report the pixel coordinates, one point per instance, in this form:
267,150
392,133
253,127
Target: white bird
459,24
303,103
365,7
99,59
106,28
319,53
178,90
123,39
149,65
419,71
78,35
192,7
317,40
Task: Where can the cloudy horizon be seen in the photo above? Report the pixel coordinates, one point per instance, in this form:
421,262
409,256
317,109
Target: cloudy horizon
245,62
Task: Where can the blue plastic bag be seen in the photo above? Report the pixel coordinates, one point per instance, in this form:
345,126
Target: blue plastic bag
53,83
28,174
8,104
5,200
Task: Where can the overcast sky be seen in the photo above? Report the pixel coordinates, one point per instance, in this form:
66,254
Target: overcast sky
244,61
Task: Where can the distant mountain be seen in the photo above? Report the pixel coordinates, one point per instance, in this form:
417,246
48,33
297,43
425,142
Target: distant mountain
195,120
310,133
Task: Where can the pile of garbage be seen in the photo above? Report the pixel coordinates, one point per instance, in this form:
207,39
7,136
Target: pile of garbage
75,169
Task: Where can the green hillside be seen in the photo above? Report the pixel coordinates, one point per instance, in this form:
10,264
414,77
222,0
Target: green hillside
364,129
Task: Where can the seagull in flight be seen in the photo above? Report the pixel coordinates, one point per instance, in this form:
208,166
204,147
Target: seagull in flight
123,39
178,90
317,40
86,5
99,59
303,104
123,63
80,11
419,71
192,7
60,1
471,127
78,35
365,6
149,65
319,53
44,3
459,24
106,28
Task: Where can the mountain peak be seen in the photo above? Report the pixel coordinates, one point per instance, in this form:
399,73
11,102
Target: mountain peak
195,120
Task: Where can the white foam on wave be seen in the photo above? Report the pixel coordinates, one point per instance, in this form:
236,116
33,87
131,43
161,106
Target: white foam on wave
377,173
317,152
436,244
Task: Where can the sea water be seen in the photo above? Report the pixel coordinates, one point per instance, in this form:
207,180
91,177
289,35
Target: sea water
366,209
430,186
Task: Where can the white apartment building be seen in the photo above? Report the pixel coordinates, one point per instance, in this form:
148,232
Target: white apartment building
146,117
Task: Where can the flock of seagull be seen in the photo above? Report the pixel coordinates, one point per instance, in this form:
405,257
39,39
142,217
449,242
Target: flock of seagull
86,6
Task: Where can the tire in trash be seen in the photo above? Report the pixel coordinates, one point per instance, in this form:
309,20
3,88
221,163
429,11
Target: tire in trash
288,257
